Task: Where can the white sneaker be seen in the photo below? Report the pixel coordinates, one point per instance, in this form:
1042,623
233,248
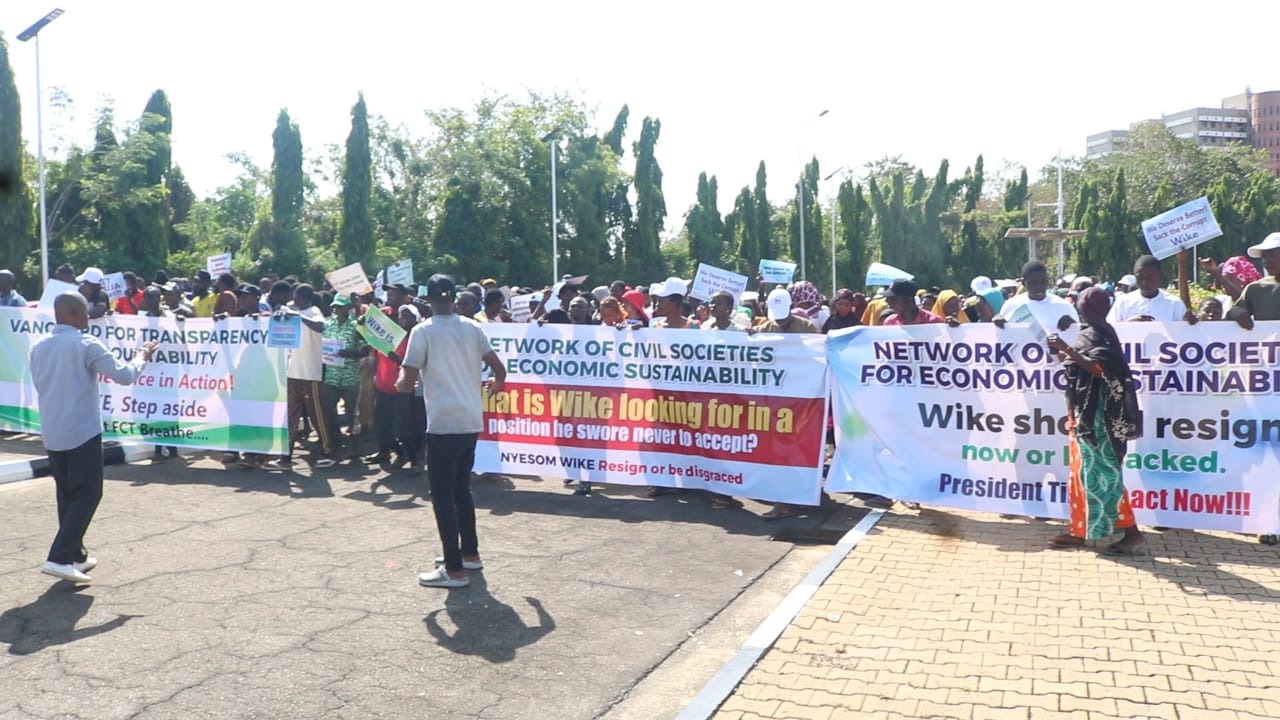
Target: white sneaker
70,573
440,578
466,564
88,564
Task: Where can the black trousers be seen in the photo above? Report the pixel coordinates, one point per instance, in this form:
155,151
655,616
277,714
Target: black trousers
329,397
392,423
77,475
449,475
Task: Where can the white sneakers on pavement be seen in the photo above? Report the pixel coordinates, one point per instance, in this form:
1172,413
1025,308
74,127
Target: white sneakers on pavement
440,578
70,573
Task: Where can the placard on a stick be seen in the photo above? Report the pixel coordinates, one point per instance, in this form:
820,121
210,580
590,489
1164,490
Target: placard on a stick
710,279
350,279
1181,228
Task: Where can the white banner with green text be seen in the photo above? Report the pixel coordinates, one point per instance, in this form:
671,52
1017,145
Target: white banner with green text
211,384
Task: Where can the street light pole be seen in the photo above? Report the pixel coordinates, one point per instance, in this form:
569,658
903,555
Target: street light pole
555,243
25,35
800,195
834,198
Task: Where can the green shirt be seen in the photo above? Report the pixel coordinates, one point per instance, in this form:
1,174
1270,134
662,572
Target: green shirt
1262,299
349,374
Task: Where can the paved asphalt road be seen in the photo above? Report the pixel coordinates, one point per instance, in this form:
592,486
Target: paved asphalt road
246,594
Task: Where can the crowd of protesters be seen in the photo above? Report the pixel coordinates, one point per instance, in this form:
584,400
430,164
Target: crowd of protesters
365,396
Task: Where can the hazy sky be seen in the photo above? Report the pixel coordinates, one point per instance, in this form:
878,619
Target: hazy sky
732,82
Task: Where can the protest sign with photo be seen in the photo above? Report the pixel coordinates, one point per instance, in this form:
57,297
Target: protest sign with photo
726,412
975,417
215,386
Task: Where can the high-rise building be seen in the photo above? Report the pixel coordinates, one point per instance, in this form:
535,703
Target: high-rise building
1252,118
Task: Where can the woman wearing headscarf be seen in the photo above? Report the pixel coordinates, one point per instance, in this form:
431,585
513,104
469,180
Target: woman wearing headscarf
1102,410
948,306
846,307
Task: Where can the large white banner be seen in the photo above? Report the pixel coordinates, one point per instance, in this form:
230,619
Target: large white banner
211,384
720,411
974,417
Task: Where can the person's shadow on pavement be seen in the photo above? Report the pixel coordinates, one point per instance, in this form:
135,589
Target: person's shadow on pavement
51,620
484,625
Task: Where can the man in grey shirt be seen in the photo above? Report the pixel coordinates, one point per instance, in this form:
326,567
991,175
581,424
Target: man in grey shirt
445,352
64,368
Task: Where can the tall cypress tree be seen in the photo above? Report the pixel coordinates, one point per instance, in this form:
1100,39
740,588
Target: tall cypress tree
621,218
355,235
764,217
147,212
645,262
746,240
852,254
16,218
284,241
705,227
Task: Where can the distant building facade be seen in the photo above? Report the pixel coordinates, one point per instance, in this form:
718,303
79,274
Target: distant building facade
1249,118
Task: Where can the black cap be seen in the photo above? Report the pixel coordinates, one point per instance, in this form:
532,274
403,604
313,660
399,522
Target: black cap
902,288
441,286
400,288
249,289
203,275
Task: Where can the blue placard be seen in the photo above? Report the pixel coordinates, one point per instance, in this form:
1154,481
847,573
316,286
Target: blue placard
286,333
777,271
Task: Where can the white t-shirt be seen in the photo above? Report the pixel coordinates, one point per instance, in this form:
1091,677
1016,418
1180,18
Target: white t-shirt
306,363
1164,307
449,352
1045,313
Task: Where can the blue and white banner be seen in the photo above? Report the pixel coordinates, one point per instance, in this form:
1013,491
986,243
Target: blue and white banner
974,417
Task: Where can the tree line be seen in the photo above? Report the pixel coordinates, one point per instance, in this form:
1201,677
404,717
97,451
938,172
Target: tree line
472,198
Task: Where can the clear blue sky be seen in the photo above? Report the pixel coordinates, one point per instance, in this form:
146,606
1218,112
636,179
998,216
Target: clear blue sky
732,82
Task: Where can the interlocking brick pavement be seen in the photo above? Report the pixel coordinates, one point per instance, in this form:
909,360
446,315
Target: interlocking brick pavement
949,614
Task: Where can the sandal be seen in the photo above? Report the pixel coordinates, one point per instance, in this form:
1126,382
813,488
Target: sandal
1122,549
1066,542
778,512
724,503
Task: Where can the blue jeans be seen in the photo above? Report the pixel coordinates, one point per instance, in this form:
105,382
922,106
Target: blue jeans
449,461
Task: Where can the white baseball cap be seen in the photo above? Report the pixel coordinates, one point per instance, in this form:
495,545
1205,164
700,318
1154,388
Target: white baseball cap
1270,242
980,284
779,303
94,275
672,286
1127,281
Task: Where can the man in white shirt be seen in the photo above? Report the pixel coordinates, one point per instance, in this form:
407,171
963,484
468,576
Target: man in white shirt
445,352
304,373
1037,305
1150,302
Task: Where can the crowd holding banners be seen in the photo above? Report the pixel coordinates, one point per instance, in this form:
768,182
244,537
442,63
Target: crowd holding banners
1200,471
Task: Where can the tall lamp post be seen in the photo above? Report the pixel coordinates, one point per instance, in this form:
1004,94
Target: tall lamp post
25,35
834,207
800,196
549,138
